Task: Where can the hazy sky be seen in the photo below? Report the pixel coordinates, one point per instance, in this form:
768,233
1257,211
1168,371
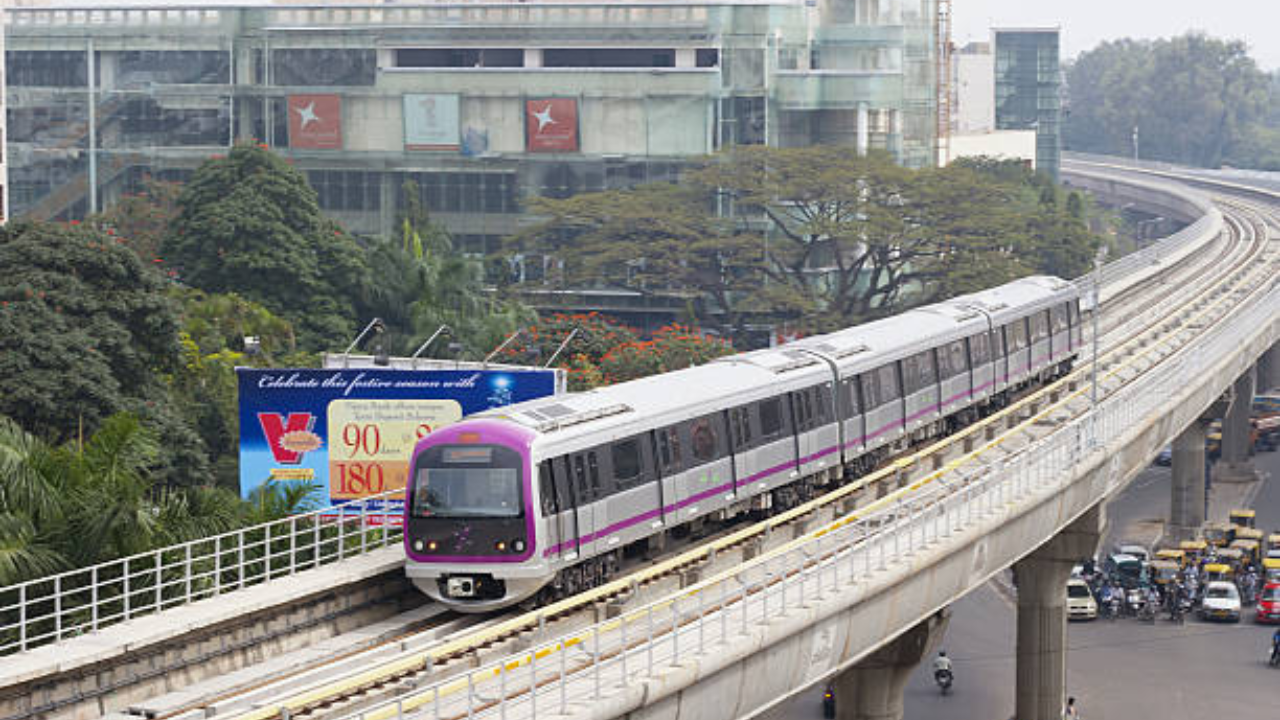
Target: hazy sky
1085,23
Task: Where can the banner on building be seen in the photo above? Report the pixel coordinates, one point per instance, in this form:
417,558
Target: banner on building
315,122
350,432
431,122
551,125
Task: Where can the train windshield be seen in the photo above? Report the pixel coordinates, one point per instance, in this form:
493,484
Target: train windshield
466,482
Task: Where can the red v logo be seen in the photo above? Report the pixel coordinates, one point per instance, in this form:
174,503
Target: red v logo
274,428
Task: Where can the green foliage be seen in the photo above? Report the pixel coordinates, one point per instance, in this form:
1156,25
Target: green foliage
249,224
85,328
142,220
653,237
596,335
1194,99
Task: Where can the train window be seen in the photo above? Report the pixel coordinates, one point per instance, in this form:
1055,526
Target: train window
1074,308
998,347
958,361
740,425
626,463
674,438
770,418
980,348
821,403
593,471
1039,326
703,435
580,478
1016,335
664,448
1058,316
547,489
870,391
918,372
889,383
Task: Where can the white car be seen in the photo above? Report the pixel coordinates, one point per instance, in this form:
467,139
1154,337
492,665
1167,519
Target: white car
1221,602
1080,602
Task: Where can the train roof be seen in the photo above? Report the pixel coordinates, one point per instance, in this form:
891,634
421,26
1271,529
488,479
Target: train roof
1015,298
657,399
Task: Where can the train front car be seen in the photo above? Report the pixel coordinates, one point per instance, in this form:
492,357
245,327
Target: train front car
470,525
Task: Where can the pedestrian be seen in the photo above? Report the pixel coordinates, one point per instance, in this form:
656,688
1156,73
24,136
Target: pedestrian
1070,712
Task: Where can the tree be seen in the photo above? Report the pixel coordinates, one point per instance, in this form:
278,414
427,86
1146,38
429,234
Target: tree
142,219
1194,99
673,347
658,237
250,224
594,336
85,328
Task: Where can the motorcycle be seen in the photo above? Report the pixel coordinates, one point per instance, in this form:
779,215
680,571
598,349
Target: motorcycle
1147,613
1135,601
943,677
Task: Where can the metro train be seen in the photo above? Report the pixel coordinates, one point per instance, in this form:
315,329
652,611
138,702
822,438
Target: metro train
538,500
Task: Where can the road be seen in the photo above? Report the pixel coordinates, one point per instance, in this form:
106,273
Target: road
1117,670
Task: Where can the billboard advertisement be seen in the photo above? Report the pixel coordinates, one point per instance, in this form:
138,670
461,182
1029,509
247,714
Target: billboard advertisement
431,122
351,431
315,122
551,125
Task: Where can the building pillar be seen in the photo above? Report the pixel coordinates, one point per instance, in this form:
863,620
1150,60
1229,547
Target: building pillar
1186,503
1041,581
873,688
686,57
533,57
1235,465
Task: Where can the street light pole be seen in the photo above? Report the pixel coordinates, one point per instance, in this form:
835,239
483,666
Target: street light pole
1135,143
1093,393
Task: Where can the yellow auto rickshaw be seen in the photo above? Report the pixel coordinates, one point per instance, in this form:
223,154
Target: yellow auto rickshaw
1243,517
1219,534
1163,572
1194,549
1232,556
1271,570
1177,557
1214,572
1250,548
1249,534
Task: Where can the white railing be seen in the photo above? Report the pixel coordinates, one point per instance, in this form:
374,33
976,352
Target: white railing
842,562
53,608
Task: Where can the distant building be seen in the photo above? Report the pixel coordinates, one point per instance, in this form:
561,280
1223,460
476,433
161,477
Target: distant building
483,104
1028,84
973,87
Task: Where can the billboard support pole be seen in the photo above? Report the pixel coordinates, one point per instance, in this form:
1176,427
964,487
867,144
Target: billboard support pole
442,329
375,323
563,345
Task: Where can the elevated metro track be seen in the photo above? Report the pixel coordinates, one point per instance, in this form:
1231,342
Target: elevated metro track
834,573
768,610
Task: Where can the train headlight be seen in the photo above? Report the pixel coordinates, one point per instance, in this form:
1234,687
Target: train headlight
517,546
431,545
417,545
501,546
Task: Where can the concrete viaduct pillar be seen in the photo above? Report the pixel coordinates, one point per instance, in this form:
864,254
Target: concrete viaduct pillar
873,689
1187,503
1235,465
1269,370
1041,580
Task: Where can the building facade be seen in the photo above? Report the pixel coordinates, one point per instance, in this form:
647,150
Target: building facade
1028,89
483,104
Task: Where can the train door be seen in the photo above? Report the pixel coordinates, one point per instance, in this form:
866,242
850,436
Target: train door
566,524
850,412
550,534
802,419
586,489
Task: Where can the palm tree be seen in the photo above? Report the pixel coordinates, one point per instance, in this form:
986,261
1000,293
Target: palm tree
32,499
113,511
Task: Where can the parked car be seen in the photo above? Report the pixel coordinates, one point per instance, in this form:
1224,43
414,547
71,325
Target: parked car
1164,458
1080,602
1269,604
1221,602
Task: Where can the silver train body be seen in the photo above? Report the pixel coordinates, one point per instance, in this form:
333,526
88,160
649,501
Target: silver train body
543,496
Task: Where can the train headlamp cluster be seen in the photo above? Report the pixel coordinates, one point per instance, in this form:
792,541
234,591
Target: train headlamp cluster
515,546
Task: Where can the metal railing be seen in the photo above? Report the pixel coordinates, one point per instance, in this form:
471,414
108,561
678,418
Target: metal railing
841,562
72,603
